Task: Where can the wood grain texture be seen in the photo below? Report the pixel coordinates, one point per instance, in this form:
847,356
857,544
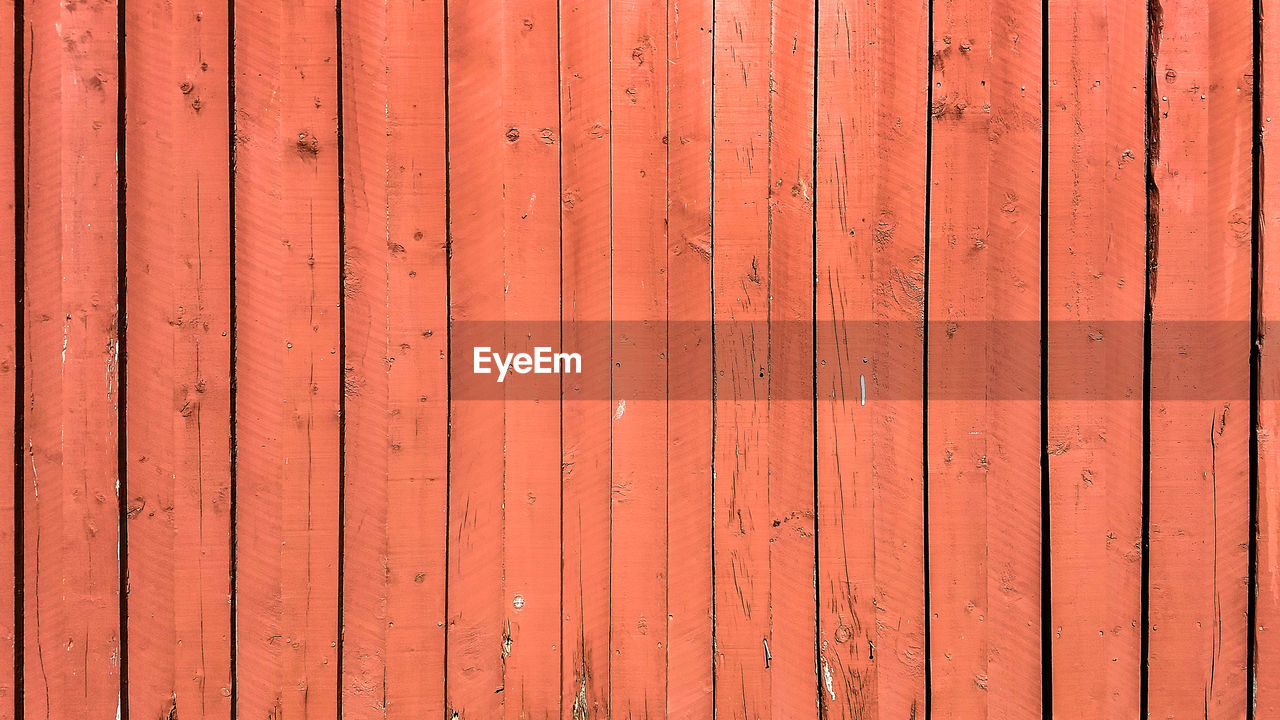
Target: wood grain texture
740,159
1200,284
803,251
1266,628
586,437
288,369
984,360
477,593
792,548
871,194
10,364
530,260
638,577
504,549
1097,255
178,279
71,585
396,315
762,278
690,674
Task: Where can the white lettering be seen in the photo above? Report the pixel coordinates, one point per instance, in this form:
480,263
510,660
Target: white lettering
572,362
504,364
543,361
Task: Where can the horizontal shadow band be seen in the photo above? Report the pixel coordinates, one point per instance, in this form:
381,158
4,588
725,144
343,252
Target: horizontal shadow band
850,362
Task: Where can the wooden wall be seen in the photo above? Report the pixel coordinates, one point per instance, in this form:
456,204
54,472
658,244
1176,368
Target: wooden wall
926,360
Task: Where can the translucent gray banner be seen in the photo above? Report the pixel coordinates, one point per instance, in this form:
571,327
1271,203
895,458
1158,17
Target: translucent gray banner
863,362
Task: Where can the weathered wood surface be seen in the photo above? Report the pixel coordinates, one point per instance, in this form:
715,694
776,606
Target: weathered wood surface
1096,244
926,359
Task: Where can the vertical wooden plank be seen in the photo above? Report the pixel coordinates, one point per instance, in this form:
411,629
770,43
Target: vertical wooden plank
396,315
764,545
178,448
984,360
638,577
71,538
531,257
1266,669
871,191
504,554
477,597
585,287
288,369
689,373
740,269
791,652
1200,291
1096,304
9,368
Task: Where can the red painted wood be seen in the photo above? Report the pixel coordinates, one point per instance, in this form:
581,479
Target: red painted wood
477,593
689,373
288,372
790,431
585,283
9,363
1200,286
984,361
585,286
71,587
725,513
763,522
1096,304
396,314
871,192
1266,629
740,158
504,548
178,271
638,577
531,268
